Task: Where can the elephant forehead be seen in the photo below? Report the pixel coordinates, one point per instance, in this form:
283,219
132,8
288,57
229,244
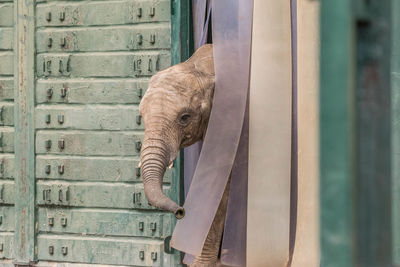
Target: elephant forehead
162,100
175,80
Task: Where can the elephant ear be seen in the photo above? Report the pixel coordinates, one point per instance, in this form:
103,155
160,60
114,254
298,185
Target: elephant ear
203,60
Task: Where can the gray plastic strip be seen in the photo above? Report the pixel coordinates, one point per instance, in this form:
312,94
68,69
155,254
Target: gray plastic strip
232,42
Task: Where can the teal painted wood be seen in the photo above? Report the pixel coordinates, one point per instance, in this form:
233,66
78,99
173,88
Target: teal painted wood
7,242
7,166
86,117
395,131
115,251
87,143
24,48
91,163
127,223
121,38
102,13
118,65
87,91
373,184
6,15
7,63
7,85
337,134
7,140
94,195
6,38
105,169
88,131
7,219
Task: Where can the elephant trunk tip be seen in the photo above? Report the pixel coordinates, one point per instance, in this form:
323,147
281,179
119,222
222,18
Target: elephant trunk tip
179,213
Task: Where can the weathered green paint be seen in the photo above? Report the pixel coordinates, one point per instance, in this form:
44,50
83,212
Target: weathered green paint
6,140
337,134
7,218
7,241
108,222
103,13
7,88
7,114
117,64
84,92
7,192
93,194
6,15
121,251
89,143
7,63
103,91
24,49
373,184
105,169
6,38
121,38
88,117
7,162
395,130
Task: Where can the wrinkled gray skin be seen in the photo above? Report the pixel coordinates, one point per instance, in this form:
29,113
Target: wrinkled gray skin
175,111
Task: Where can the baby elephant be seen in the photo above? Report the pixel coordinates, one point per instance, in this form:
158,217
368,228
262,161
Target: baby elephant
175,111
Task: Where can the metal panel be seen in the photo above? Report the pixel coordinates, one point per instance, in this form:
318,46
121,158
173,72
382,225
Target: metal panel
107,222
6,246
117,64
6,38
7,192
6,114
126,91
107,169
93,195
7,166
90,143
6,15
7,219
141,252
119,38
6,88
6,140
115,117
102,13
7,63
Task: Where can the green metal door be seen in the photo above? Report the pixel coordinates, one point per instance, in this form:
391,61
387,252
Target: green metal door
82,68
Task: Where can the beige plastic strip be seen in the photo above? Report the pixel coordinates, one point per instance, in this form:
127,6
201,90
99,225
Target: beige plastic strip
270,136
306,252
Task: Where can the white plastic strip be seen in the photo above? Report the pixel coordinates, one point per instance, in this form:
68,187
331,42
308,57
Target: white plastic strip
306,252
270,135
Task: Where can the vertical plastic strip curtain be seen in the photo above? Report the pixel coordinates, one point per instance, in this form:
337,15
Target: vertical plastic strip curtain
270,135
232,20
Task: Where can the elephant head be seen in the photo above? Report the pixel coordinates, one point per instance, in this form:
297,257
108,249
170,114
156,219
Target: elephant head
175,111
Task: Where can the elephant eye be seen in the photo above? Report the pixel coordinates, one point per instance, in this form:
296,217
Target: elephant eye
184,118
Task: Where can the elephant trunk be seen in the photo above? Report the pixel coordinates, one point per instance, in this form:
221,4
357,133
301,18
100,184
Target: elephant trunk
154,157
